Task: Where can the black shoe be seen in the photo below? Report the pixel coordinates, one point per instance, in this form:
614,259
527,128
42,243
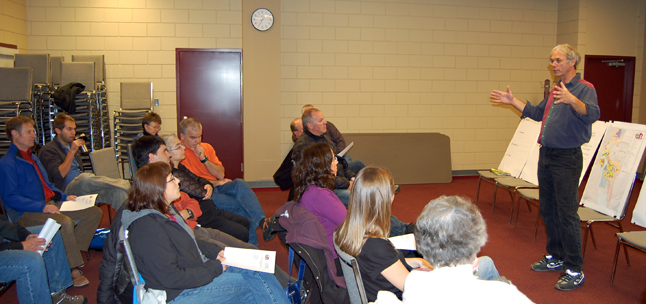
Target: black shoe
570,280
397,188
548,263
268,232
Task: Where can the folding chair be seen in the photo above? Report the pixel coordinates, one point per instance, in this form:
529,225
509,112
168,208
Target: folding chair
511,185
632,239
104,163
488,177
352,276
590,216
131,162
136,101
532,197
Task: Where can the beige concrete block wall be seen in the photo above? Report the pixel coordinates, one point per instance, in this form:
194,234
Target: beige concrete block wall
138,38
13,23
417,66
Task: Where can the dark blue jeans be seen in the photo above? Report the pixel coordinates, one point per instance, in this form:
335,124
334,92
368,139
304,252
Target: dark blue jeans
559,171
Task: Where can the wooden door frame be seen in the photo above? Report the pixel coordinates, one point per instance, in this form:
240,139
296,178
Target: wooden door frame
629,86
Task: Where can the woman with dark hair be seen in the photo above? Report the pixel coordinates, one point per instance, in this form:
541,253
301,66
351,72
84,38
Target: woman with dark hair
313,177
167,256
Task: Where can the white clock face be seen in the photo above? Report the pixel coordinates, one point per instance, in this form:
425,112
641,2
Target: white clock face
262,19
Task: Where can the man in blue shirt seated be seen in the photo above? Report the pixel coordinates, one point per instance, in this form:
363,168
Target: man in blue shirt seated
62,160
20,261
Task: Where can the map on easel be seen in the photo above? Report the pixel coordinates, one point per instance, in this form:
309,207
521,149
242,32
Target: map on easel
614,168
530,171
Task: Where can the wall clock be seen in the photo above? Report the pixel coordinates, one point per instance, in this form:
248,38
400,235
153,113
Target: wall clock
262,19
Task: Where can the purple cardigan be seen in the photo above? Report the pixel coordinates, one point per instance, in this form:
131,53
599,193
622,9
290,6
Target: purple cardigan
303,227
327,208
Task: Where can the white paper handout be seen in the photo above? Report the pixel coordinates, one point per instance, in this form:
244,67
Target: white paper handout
252,259
82,202
404,242
342,153
48,231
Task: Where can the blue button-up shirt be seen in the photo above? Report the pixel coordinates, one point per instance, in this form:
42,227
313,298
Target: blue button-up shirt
564,128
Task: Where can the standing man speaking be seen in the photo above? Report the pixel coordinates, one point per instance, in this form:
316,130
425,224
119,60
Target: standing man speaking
567,115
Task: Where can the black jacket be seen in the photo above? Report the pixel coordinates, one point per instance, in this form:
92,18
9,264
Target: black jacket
65,96
343,174
13,233
114,276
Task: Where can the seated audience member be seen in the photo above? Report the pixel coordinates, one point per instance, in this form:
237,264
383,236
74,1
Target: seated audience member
61,158
332,131
151,124
449,233
296,126
363,234
237,196
201,190
151,149
168,258
339,143
315,131
20,261
313,182
30,199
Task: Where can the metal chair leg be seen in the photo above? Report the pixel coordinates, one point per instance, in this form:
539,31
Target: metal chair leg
614,265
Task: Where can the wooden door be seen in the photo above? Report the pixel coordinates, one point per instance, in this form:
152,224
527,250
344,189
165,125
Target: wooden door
209,88
613,77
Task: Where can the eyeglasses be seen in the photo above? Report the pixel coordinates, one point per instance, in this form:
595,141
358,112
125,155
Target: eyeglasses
179,146
557,60
172,179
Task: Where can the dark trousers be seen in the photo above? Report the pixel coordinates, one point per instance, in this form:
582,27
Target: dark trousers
559,171
225,221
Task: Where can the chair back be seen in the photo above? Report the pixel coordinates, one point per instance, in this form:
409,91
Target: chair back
104,163
352,276
131,162
130,258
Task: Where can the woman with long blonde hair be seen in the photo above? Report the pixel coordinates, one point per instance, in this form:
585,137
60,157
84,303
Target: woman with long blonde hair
364,234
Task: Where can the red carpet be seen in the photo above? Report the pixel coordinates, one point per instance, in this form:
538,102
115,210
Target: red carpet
512,249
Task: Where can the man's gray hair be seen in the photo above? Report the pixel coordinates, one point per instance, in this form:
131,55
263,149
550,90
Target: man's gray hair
569,52
450,231
308,117
187,123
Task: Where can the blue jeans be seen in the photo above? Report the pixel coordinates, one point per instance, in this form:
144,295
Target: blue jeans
397,227
356,165
235,196
558,175
32,272
486,269
343,195
236,285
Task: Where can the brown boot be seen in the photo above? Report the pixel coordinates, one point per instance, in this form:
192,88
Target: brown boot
78,278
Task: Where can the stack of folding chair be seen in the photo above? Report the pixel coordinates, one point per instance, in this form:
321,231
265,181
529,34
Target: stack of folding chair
101,97
136,101
16,85
42,91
